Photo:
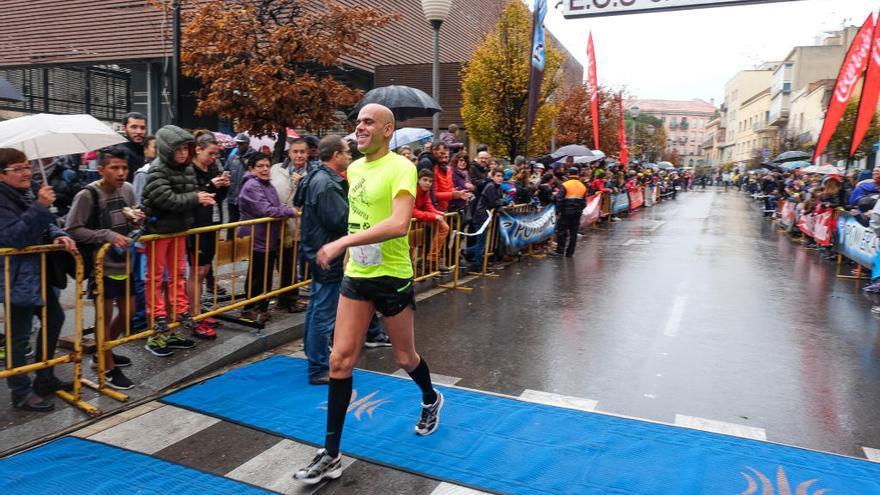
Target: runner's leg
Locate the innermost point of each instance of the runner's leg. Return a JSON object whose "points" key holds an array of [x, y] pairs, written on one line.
{"points": [[352, 318], [400, 328]]}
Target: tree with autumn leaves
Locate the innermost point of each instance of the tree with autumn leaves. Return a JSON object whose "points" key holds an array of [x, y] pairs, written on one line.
{"points": [[646, 138], [495, 86], [265, 63]]}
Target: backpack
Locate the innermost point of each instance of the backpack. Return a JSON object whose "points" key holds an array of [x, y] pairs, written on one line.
{"points": [[88, 251]]}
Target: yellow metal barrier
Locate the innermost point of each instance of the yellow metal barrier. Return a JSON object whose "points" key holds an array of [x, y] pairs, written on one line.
{"points": [[74, 357], [228, 251]]}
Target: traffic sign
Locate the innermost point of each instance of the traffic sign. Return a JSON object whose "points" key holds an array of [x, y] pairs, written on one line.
{"points": [[574, 9]]}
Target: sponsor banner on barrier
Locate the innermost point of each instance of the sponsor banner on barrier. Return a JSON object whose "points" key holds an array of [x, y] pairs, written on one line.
{"points": [[788, 217], [518, 231], [857, 242], [818, 226], [619, 203], [592, 211], [636, 198]]}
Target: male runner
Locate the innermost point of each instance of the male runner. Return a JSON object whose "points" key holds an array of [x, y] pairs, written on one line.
{"points": [[382, 191]]}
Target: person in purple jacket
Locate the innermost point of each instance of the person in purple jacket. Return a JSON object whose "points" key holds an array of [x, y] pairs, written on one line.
{"points": [[259, 199]]}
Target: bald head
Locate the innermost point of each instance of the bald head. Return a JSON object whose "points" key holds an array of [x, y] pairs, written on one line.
{"points": [[375, 126]]}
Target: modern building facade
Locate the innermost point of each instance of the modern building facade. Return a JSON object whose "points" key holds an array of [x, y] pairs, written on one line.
{"points": [[113, 56], [805, 65], [740, 89]]}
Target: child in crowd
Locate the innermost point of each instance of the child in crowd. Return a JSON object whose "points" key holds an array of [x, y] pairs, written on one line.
{"points": [[424, 211], [170, 200]]}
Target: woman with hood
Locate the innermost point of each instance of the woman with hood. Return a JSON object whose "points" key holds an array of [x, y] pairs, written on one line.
{"points": [[259, 199]]}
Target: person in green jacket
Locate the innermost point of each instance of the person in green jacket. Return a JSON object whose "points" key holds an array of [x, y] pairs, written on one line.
{"points": [[170, 199]]}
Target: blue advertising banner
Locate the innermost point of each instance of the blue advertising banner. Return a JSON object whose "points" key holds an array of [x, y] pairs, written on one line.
{"points": [[857, 242], [518, 231], [619, 203]]}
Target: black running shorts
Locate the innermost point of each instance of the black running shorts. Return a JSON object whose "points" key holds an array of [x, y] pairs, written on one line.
{"points": [[390, 295]]}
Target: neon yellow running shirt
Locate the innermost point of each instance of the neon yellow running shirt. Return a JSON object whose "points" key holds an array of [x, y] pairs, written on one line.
{"points": [[372, 187]]}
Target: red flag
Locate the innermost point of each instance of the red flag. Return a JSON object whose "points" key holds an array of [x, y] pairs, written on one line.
{"points": [[870, 94], [621, 132], [850, 72], [594, 91]]}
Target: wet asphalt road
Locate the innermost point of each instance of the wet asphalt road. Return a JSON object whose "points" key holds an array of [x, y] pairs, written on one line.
{"points": [[697, 307]]}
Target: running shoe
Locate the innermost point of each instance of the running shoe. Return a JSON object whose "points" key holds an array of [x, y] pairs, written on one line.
{"points": [[875, 310], [175, 341], [157, 346], [160, 325], [187, 322], [116, 379], [322, 467], [119, 360], [381, 340], [430, 418], [204, 331], [873, 288]]}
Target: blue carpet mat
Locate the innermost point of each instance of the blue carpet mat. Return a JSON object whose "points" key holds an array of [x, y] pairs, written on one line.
{"points": [[509, 446], [75, 466]]}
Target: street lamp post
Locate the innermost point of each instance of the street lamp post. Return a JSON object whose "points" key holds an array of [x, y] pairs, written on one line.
{"points": [[634, 112], [436, 11]]}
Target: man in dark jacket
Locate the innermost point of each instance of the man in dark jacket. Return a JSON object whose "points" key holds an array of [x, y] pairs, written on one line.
{"points": [[236, 165], [170, 200], [322, 195], [134, 128], [439, 153], [571, 199], [25, 221]]}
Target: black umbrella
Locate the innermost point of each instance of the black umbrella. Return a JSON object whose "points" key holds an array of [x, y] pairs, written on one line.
{"points": [[571, 150], [8, 92], [792, 156], [405, 102]]}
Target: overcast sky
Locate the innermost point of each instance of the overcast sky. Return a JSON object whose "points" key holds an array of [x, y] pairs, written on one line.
{"points": [[689, 54]]}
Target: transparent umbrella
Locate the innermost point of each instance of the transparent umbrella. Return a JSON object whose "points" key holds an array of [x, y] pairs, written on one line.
{"points": [[46, 135]]}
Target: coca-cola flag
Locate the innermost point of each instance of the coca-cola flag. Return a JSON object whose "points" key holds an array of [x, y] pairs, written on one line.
{"points": [[594, 91], [870, 93], [850, 72], [621, 132]]}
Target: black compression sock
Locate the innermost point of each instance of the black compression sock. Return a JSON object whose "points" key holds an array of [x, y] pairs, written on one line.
{"points": [[422, 376], [338, 399]]}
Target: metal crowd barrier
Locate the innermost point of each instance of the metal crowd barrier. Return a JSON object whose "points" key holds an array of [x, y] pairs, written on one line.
{"points": [[431, 251], [227, 252], [42, 359]]}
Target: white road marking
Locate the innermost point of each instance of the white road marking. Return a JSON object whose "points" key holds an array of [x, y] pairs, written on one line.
{"points": [[558, 400], [714, 426], [435, 378], [674, 321], [657, 225], [156, 430], [636, 242], [872, 454], [450, 489], [273, 469]]}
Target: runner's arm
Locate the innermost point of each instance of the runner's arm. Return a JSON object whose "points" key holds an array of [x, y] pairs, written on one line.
{"points": [[397, 225]]}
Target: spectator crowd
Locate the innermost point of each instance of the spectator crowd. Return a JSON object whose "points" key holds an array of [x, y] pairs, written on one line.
{"points": [[165, 185]]}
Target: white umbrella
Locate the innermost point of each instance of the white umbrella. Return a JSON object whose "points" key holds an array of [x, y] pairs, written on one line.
{"points": [[402, 136], [822, 169], [597, 155], [408, 135], [45, 135]]}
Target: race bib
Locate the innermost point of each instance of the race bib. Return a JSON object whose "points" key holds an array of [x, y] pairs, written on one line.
{"points": [[369, 255]]}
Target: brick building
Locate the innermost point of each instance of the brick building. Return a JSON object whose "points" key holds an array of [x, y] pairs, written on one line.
{"points": [[108, 56]]}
